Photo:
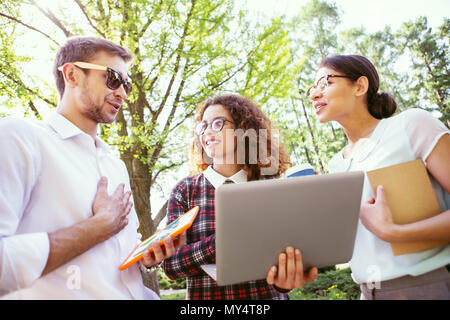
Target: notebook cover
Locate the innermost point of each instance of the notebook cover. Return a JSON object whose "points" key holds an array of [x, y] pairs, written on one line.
{"points": [[410, 197]]}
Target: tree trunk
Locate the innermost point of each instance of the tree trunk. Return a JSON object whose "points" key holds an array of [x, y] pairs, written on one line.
{"points": [[151, 281], [316, 148]]}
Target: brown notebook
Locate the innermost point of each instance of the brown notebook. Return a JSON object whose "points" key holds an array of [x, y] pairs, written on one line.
{"points": [[410, 197]]}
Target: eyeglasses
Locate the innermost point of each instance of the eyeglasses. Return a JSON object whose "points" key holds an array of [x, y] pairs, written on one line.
{"points": [[322, 83], [113, 78], [216, 125]]}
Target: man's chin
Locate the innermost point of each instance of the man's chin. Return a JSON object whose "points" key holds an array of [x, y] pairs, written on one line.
{"points": [[102, 117], [108, 120]]}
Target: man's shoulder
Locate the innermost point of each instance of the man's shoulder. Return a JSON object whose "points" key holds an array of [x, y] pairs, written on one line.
{"points": [[20, 139], [23, 128], [12, 122]]}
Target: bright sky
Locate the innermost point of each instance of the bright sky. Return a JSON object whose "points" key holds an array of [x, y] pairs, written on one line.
{"points": [[372, 14]]}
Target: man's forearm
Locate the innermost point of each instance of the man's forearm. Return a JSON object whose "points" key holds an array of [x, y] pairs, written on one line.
{"points": [[68, 243]]}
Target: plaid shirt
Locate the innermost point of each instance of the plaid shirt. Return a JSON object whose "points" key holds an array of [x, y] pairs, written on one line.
{"points": [[200, 249]]}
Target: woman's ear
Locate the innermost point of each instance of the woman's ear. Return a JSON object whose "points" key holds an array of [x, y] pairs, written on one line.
{"points": [[361, 86]]}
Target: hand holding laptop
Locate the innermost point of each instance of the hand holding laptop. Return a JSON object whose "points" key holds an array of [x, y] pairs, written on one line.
{"points": [[264, 216], [290, 274]]}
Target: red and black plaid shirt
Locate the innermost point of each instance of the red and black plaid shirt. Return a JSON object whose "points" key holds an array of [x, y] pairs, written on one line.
{"points": [[201, 247]]}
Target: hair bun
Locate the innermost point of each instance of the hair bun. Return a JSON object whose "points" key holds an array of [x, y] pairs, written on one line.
{"points": [[383, 105]]}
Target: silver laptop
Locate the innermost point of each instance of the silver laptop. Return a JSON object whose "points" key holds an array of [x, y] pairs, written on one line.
{"points": [[255, 221]]}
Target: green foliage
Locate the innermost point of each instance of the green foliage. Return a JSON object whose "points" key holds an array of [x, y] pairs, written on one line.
{"points": [[329, 285], [17, 88], [166, 283], [430, 60], [175, 296]]}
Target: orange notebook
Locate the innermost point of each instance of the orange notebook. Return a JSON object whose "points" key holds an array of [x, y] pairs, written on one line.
{"points": [[174, 229], [410, 197]]}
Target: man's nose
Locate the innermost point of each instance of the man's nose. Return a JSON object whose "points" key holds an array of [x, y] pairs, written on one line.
{"points": [[121, 93]]}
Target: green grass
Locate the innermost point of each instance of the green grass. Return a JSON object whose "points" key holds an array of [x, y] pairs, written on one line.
{"points": [[175, 296], [331, 284]]}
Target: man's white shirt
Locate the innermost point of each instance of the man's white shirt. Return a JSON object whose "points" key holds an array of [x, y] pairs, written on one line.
{"points": [[49, 173]]}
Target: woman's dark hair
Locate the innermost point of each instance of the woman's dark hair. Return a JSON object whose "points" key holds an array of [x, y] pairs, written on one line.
{"points": [[381, 105], [246, 115]]}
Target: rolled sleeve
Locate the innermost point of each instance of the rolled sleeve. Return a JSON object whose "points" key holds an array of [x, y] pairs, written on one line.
{"points": [[23, 258]]}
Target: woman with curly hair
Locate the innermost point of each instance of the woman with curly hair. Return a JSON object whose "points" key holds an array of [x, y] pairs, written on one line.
{"points": [[234, 143]]}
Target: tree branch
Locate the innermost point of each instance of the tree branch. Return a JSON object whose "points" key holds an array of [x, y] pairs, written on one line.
{"points": [[188, 115], [173, 165], [35, 111], [83, 9], [229, 77], [53, 19], [149, 22], [20, 83], [28, 26], [126, 9], [177, 63], [316, 148], [161, 214]]}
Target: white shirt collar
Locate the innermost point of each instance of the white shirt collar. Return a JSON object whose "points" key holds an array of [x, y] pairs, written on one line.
{"points": [[217, 179], [66, 129]]}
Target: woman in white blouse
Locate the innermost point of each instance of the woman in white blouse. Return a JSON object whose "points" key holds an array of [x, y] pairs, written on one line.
{"points": [[346, 91]]}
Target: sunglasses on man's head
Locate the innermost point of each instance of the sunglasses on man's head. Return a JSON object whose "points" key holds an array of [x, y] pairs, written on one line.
{"points": [[113, 78]]}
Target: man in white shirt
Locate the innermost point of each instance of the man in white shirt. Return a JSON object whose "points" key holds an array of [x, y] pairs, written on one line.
{"points": [[66, 216]]}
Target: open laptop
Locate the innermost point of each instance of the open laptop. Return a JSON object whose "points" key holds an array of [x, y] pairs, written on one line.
{"points": [[255, 221]]}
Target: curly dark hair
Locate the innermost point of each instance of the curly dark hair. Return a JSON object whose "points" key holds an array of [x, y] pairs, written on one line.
{"points": [[246, 115]]}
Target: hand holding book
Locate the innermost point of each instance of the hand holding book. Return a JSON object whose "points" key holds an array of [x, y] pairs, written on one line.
{"points": [[407, 197]]}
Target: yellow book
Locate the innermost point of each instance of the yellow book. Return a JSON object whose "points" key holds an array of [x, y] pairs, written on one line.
{"points": [[410, 197]]}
